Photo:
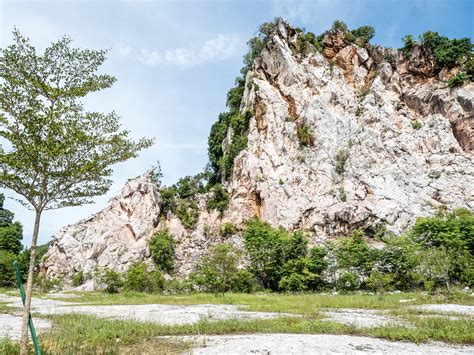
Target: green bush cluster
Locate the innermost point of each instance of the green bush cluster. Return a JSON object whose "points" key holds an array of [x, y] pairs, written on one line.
{"points": [[180, 198], [281, 260], [78, 278], [447, 53], [218, 199], [458, 80], [162, 249], [11, 248], [137, 278], [228, 229], [218, 272]]}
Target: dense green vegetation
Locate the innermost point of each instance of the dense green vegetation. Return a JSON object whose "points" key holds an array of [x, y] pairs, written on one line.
{"points": [[447, 53], [436, 252], [162, 247], [11, 248]]}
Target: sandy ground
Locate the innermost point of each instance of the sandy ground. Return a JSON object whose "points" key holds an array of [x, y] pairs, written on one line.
{"points": [[302, 344]]}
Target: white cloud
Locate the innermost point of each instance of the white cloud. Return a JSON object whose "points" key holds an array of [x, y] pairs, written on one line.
{"points": [[215, 49]]}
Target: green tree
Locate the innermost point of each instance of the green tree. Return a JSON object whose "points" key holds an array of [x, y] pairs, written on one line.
{"points": [[11, 233], [57, 153], [217, 272], [162, 247]]}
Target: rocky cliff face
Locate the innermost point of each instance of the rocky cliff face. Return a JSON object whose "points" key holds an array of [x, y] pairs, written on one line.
{"points": [[114, 237], [349, 138], [406, 139]]}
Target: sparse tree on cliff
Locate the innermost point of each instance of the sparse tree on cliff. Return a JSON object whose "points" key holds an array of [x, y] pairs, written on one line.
{"points": [[55, 154]]}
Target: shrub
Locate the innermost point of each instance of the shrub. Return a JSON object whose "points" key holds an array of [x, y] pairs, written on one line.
{"points": [[7, 274], [341, 157], [168, 201], [348, 281], [78, 278], [162, 249], [111, 280], [218, 199], [342, 194], [238, 144], [265, 246], [447, 52], [188, 213], [217, 272], [408, 45], [137, 278], [243, 282], [46, 284], [305, 137], [416, 125], [339, 25], [353, 254], [457, 80], [228, 229], [380, 282]]}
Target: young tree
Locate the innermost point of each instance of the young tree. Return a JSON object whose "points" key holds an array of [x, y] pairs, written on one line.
{"points": [[56, 153]]}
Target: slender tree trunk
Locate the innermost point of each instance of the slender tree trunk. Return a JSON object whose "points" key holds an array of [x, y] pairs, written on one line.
{"points": [[29, 286]]}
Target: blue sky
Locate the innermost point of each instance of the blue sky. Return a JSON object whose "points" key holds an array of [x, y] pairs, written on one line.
{"points": [[176, 60]]}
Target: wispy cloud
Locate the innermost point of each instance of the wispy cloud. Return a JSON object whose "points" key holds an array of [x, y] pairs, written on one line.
{"points": [[215, 49]]}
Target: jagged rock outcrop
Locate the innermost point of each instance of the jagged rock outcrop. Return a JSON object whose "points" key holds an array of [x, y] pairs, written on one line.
{"points": [[114, 237], [363, 108], [388, 141]]}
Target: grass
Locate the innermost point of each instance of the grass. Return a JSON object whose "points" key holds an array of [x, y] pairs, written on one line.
{"points": [[85, 334], [302, 303]]}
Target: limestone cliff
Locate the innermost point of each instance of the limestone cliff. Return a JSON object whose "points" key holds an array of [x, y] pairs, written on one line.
{"points": [[352, 137]]}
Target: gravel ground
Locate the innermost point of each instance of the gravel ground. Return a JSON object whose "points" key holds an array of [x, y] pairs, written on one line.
{"points": [[448, 308], [301, 344], [162, 313], [361, 317], [10, 326]]}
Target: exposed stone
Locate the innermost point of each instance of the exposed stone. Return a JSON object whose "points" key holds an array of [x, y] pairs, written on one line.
{"points": [[365, 105]]}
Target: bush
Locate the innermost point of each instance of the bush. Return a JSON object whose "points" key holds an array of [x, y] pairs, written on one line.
{"points": [[217, 272], [7, 274], [447, 52], [162, 249], [408, 45], [243, 282], [47, 284], [348, 281], [188, 213], [228, 229], [137, 278], [305, 137], [238, 144], [457, 80], [78, 278], [416, 125], [111, 280], [168, 201], [218, 199], [341, 157], [354, 255]]}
